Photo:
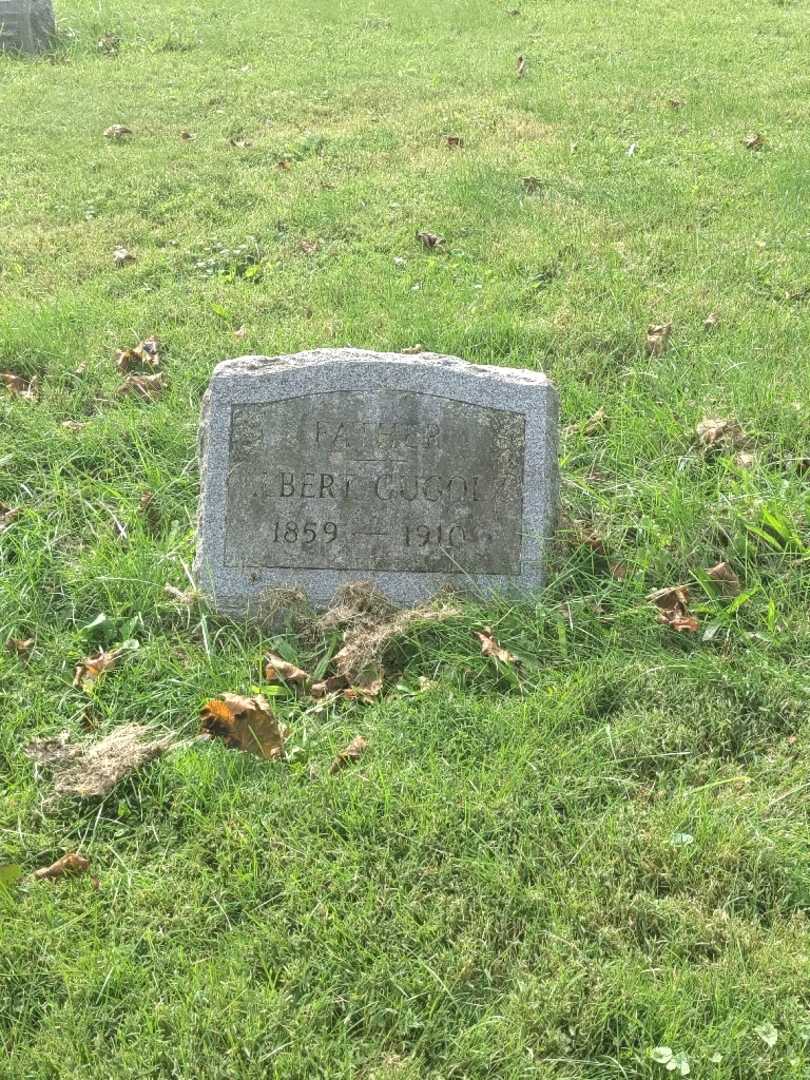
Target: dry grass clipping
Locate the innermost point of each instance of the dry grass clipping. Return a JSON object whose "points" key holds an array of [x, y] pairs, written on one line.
{"points": [[95, 768], [370, 622]]}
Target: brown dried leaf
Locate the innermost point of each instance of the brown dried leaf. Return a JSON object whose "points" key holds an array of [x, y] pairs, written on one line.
{"points": [[244, 723], [711, 320], [122, 256], [146, 387], [109, 43], [73, 425], [744, 460], [20, 647], [596, 423], [89, 670], [491, 647], [721, 431], [185, 598], [673, 608], [117, 131], [676, 103], [279, 670], [413, 350], [68, 866], [355, 750], [753, 141], [429, 240], [145, 356], [17, 386], [239, 143], [328, 686], [454, 142], [658, 338], [521, 66], [7, 515], [367, 685], [240, 333], [284, 164], [725, 577], [186, 136], [532, 184]]}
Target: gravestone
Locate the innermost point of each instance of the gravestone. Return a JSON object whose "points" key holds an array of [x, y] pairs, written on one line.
{"points": [[339, 465], [26, 25]]}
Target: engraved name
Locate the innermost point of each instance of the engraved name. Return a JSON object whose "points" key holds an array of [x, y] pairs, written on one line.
{"points": [[385, 486]]}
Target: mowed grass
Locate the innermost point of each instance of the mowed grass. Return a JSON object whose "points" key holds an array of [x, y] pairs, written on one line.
{"points": [[545, 871]]}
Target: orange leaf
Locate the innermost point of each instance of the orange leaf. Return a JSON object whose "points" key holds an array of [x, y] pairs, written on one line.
{"points": [[244, 723], [89, 670]]}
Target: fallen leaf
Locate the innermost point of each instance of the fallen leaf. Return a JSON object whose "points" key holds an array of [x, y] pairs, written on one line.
{"points": [[513, 11], [413, 350], [109, 43], [711, 320], [454, 142], [147, 387], [185, 598], [277, 669], [90, 670], [521, 66], [491, 647], [725, 577], [429, 240], [122, 256], [673, 608], [186, 136], [240, 143], [367, 685], [596, 423], [676, 103], [720, 431], [744, 460], [328, 686], [7, 515], [355, 750], [768, 1033], [17, 386], [147, 508], [310, 247], [244, 723], [117, 131], [73, 425], [93, 769], [240, 333], [68, 866], [145, 355], [20, 647], [753, 141], [532, 184], [284, 164], [658, 338]]}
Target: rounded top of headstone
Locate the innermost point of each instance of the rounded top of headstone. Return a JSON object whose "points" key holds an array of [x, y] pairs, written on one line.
{"points": [[435, 363]]}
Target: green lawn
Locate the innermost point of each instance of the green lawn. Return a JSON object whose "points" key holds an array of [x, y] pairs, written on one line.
{"points": [[546, 871]]}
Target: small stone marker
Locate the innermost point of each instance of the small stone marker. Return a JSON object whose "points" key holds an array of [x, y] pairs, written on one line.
{"points": [[339, 465], [26, 25]]}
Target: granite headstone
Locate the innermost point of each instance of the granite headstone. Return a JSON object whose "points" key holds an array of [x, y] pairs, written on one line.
{"points": [[26, 26], [339, 465]]}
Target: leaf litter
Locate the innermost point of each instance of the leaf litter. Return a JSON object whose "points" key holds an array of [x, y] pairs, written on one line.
{"points": [[673, 608], [351, 753]]}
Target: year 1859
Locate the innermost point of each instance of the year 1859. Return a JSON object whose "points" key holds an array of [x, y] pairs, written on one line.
{"points": [[289, 532]]}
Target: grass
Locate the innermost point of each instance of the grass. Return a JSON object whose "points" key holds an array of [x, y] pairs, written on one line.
{"points": [[504, 885]]}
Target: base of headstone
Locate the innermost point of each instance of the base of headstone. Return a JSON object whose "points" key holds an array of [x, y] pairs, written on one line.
{"points": [[415, 473], [26, 26]]}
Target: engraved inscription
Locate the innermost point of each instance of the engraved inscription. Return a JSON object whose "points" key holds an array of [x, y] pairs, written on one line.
{"points": [[375, 480]]}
